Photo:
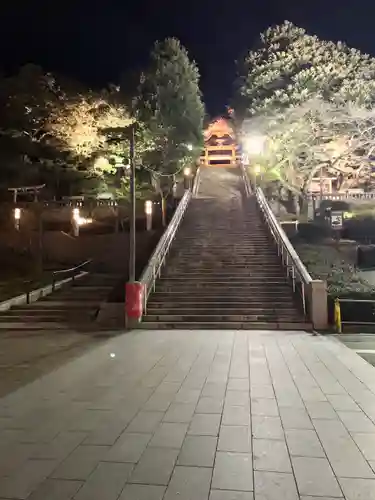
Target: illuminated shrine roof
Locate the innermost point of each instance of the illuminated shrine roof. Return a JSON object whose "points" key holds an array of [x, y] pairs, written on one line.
{"points": [[220, 128]]}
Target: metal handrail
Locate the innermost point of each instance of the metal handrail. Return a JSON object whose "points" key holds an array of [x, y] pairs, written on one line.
{"points": [[56, 274], [153, 268], [294, 266], [339, 322], [29, 283], [196, 181], [246, 180]]}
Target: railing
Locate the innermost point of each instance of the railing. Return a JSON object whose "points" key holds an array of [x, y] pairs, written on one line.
{"points": [[55, 276], [296, 270], [339, 313], [342, 196], [246, 180], [68, 273], [155, 264], [196, 181]]}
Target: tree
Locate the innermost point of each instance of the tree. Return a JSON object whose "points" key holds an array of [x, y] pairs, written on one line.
{"points": [[317, 134], [170, 104], [290, 67], [53, 130]]}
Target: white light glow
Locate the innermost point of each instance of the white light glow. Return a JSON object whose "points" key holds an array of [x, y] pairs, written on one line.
{"points": [[17, 213], [148, 207], [257, 169], [254, 145], [187, 171], [81, 221], [190, 147], [113, 355]]}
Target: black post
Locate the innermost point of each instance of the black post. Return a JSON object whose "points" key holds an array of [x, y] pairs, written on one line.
{"points": [[132, 243]]}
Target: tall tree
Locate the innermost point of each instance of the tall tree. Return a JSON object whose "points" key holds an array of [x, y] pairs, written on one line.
{"points": [[170, 104], [302, 140], [289, 66]]}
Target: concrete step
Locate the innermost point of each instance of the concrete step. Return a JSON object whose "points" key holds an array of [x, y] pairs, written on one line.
{"points": [[222, 278], [53, 303], [46, 312], [165, 308], [66, 297], [23, 325], [218, 275], [232, 303], [227, 287], [46, 318], [223, 294], [258, 325], [216, 318], [91, 288]]}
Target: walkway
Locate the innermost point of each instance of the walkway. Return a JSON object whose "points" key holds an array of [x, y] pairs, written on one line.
{"points": [[195, 415]]}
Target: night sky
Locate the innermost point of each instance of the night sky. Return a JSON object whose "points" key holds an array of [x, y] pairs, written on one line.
{"points": [[96, 41]]}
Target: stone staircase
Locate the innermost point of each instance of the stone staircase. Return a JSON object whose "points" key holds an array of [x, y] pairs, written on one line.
{"points": [[223, 270], [74, 307]]}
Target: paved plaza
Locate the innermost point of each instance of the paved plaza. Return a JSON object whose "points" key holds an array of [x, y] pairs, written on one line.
{"points": [[195, 415]]}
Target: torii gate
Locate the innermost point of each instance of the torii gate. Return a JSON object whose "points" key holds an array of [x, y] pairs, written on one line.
{"points": [[26, 189]]}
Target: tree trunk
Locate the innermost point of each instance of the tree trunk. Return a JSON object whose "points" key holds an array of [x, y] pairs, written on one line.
{"points": [[303, 206]]}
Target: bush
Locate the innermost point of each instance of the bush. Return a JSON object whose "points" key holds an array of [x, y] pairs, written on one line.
{"points": [[313, 231], [337, 267]]}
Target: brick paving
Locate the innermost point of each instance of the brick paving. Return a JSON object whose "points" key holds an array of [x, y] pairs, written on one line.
{"points": [[195, 415]]}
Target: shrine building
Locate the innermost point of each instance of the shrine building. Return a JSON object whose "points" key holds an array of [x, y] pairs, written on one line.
{"points": [[220, 147]]}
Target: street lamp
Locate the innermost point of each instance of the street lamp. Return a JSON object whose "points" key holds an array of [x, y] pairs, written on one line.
{"points": [[17, 218], [254, 144], [187, 177], [148, 212]]}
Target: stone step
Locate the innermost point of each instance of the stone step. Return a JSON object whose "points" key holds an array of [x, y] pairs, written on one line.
{"points": [[232, 303], [224, 294], [91, 288], [228, 286], [258, 325], [218, 274], [199, 265], [46, 312], [23, 325], [75, 297], [220, 253], [242, 318], [222, 278], [46, 318], [52, 302], [225, 308]]}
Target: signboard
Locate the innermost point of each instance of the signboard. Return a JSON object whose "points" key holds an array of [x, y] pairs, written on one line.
{"points": [[336, 220]]}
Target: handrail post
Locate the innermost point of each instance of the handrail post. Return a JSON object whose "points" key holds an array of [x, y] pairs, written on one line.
{"points": [[318, 307]]}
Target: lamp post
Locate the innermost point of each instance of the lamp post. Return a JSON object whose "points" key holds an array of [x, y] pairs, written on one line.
{"points": [[75, 221], [148, 212], [17, 218], [132, 242], [187, 177], [254, 145]]}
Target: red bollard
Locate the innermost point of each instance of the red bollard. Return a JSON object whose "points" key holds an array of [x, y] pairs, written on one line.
{"points": [[133, 303]]}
